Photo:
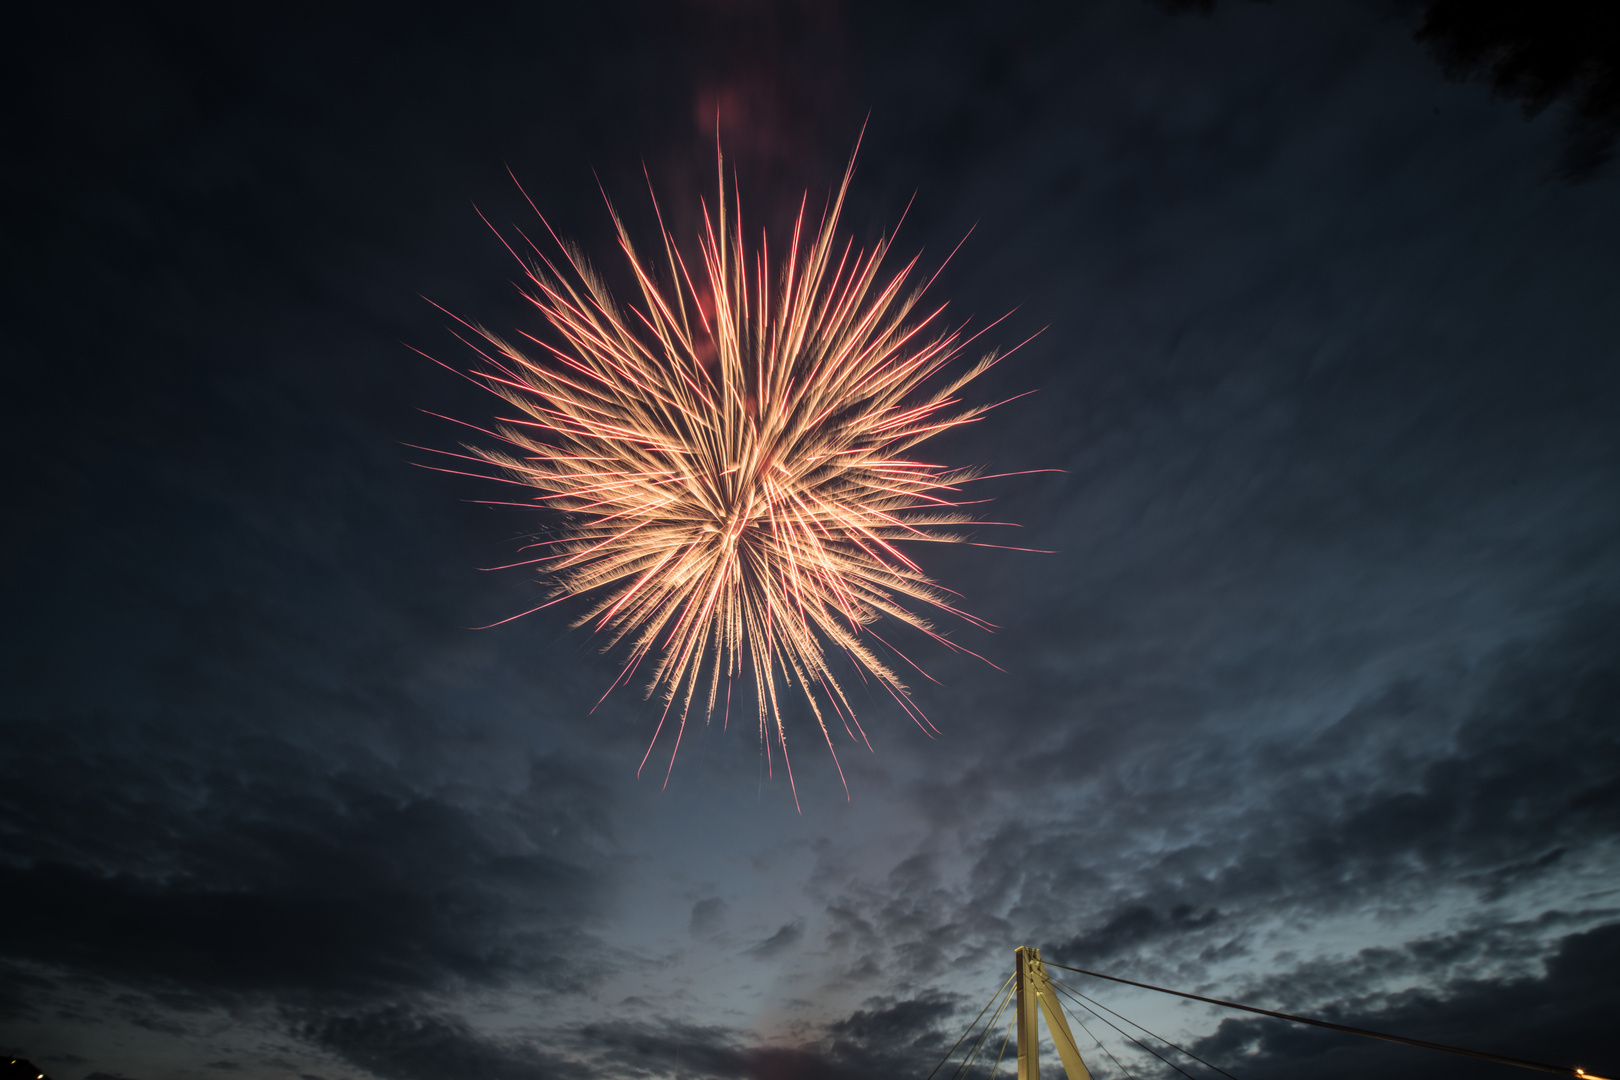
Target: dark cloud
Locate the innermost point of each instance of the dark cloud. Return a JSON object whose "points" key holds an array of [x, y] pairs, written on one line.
{"points": [[896, 1032], [279, 876], [787, 936], [1529, 775], [708, 916], [1135, 926], [667, 1049], [886, 1038], [21, 991], [1504, 950], [1558, 1017], [399, 1044], [1351, 821]]}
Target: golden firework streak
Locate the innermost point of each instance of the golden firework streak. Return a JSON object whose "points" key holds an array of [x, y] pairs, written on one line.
{"points": [[729, 457]]}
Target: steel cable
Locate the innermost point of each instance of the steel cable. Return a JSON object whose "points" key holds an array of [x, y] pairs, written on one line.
{"points": [[1133, 1038], [1522, 1063], [973, 1025], [1099, 1005]]}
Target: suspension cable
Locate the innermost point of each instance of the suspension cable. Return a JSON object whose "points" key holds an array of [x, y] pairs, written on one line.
{"points": [[1099, 1005], [1063, 1029], [1005, 1039], [973, 1025], [1100, 1045], [1564, 1070], [967, 1063], [1134, 1039]]}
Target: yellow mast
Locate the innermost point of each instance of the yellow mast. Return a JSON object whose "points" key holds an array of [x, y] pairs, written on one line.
{"points": [[1036, 996]]}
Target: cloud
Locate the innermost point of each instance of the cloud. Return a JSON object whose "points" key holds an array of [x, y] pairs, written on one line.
{"points": [[664, 1049], [1135, 925], [275, 876], [708, 915], [888, 1029], [888, 1037], [778, 943], [21, 990], [1561, 1017], [1527, 778], [1490, 785], [400, 1044]]}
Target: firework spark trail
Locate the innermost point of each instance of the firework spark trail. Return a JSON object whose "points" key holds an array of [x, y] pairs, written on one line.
{"points": [[729, 460]]}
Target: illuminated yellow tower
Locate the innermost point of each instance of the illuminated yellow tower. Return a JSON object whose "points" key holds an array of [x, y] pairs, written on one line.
{"points": [[1035, 996]]}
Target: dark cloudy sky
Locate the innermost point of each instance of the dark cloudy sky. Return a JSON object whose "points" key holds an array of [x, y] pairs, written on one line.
{"points": [[1314, 706]]}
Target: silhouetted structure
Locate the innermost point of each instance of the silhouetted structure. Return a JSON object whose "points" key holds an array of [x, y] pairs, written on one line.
{"points": [[1534, 52], [21, 1069]]}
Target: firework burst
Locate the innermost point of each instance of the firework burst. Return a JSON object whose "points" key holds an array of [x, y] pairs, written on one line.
{"points": [[729, 461]]}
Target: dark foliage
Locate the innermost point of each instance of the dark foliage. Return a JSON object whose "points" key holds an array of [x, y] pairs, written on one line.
{"points": [[1535, 52]]}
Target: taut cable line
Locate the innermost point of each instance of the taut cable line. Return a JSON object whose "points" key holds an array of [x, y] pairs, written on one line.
{"points": [[1126, 1072], [994, 998], [1096, 1005], [1074, 996], [967, 1063], [1540, 1066]]}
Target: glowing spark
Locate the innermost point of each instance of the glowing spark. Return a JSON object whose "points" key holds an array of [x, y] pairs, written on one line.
{"points": [[728, 456]]}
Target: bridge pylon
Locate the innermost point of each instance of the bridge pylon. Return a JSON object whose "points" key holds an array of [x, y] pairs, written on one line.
{"points": [[1036, 997]]}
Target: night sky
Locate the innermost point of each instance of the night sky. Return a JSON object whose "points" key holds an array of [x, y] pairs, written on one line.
{"points": [[1314, 705]]}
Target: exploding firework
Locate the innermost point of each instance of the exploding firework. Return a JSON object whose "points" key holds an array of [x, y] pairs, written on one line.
{"points": [[728, 461]]}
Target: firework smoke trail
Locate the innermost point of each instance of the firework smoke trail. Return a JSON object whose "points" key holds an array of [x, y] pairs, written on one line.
{"points": [[729, 459]]}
